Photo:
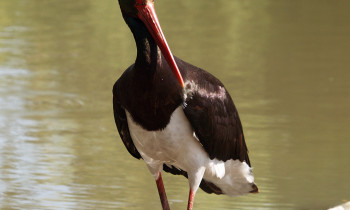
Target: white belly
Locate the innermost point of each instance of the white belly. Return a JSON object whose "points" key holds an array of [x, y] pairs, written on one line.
{"points": [[177, 145]]}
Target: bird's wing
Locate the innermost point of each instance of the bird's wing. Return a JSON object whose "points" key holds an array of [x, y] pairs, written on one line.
{"points": [[214, 117], [122, 125]]}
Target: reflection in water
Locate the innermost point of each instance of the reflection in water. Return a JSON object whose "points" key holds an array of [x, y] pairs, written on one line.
{"points": [[285, 64]]}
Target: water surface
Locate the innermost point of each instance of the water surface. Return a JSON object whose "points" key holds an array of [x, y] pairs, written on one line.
{"points": [[285, 63]]}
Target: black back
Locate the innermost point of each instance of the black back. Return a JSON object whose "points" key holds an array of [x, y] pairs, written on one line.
{"points": [[213, 115]]}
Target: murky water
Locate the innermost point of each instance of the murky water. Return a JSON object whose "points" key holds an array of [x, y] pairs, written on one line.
{"points": [[286, 64]]}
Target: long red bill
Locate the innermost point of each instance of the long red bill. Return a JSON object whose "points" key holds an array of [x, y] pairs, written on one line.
{"points": [[149, 17]]}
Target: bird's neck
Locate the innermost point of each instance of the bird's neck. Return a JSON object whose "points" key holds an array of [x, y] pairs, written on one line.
{"points": [[148, 53]]}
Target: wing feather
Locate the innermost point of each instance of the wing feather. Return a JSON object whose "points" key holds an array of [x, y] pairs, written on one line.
{"points": [[214, 117], [122, 125]]}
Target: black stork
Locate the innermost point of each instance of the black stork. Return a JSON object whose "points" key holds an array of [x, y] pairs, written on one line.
{"points": [[178, 117]]}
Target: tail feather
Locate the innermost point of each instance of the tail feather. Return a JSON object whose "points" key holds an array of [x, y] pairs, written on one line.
{"points": [[255, 189]]}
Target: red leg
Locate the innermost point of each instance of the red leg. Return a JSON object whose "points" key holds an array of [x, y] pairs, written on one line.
{"points": [[190, 200], [162, 194]]}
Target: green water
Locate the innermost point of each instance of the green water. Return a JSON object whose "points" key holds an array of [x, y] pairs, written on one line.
{"points": [[285, 63]]}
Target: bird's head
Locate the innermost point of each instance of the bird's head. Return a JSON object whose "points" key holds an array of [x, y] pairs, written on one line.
{"points": [[144, 10], [130, 7]]}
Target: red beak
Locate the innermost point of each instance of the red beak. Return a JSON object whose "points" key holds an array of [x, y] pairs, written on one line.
{"points": [[149, 17]]}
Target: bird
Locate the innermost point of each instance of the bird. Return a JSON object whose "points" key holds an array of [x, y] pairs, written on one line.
{"points": [[177, 117]]}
